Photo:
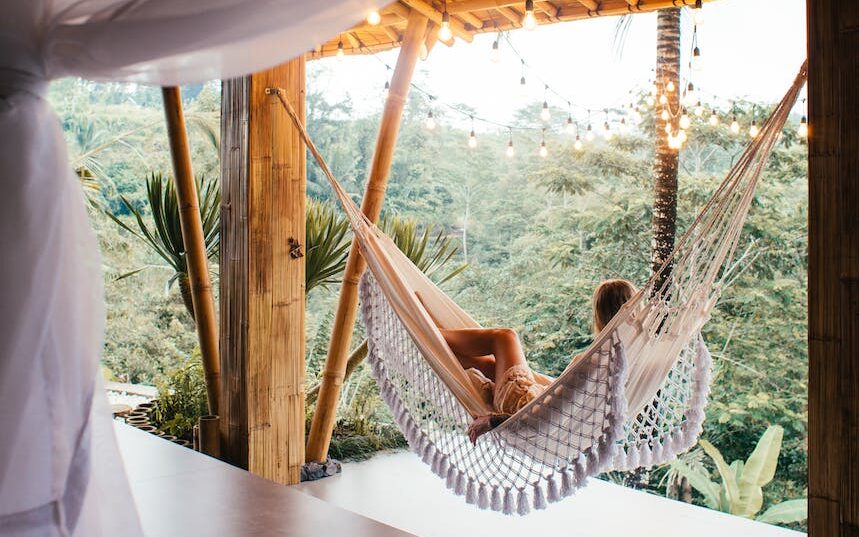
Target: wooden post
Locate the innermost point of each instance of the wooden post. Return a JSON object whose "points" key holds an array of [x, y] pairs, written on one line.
{"points": [[374, 195], [195, 245], [262, 274], [833, 268]]}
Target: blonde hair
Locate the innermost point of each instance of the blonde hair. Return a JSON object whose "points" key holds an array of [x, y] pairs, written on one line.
{"points": [[609, 296]]}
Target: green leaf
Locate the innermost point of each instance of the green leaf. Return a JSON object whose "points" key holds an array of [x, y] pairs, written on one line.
{"points": [[760, 470], [729, 483], [700, 482], [786, 512]]}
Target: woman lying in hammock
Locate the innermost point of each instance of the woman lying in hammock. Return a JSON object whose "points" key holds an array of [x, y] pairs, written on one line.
{"points": [[494, 360]]}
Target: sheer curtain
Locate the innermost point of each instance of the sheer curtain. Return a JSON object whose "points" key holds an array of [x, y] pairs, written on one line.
{"points": [[60, 471]]}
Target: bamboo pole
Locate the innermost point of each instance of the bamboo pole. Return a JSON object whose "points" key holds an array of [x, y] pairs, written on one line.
{"points": [[209, 438], [195, 244], [344, 321]]}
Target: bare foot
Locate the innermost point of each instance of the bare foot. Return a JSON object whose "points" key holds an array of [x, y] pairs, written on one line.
{"points": [[479, 427]]}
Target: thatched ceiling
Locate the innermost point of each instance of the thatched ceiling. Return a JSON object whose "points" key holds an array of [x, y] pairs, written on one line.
{"points": [[470, 17]]}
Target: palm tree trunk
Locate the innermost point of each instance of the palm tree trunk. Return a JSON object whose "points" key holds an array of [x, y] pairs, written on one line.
{"points": [[666, 161]]}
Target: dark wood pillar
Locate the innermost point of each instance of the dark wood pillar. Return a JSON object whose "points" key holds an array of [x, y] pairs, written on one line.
{"points": [[833, 267], [263, 184]]}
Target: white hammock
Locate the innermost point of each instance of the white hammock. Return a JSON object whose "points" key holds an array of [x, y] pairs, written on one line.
{"points": [[634, 398]]}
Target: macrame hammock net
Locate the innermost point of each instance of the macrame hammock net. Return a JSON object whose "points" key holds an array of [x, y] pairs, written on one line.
{"points": [[634, 398]]}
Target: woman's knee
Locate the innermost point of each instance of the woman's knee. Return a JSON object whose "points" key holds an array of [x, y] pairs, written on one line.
{"points": [[505, 335]]}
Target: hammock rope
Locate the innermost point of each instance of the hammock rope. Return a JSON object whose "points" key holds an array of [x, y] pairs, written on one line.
{"points": [[634, 398]]}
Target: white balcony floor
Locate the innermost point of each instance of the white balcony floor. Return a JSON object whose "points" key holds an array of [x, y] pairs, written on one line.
{"points": [[399, 490]]}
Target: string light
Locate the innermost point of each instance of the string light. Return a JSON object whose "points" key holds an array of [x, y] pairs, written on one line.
{"points": [[607, 134], [340, 51], [430, 122], [444, 33], [543, 150], [669, 87], [636, 115], [544, 113], [472, 138], [523, 85], [387, 90], [495, 55], [685, 122], [373, 18], [697, 63], [578, 146], [803, 127], [589, 134], [681, 137], [529, 22], [714, 119], [665, 115], [668, 128], [698, 13], [689, 97], [754, 130], [663, 99], [735, 125], [571, 128], [510, 151], [699, 109], [650, 100]]}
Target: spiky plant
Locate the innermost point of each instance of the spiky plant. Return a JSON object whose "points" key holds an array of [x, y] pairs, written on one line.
{"points": [[428, 247], [163, 233], [327, 245]]}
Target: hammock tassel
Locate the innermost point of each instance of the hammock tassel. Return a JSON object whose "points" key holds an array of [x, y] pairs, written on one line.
{"points": [[539, 497], [460, 483], [632, 458], [567, 487], [523, 506], [645, 458], [482, 497], [507, 508], [658, 453], [450, 481], [496, 499], [552, 489], [470, 495]]}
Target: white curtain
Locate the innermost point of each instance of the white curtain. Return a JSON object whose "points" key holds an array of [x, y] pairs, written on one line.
{"points": [[60, 472]]}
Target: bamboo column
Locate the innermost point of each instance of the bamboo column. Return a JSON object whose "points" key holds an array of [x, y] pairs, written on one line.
{"points": [[374, 195], [195, 244], [262, 274]]}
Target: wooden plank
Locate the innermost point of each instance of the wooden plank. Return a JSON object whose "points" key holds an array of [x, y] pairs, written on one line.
{"points": [[263, 287], [374, 194], [833, 268]]}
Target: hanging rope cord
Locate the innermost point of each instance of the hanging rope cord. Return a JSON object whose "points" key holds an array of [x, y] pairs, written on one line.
{"points": [[634, 398]]}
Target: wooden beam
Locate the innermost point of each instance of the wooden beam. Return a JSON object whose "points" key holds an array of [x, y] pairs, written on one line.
{"points": [[374, 194], [195, 245], [434, 15], [592, 5], [432, 38], [262, 283], [833, 269]]}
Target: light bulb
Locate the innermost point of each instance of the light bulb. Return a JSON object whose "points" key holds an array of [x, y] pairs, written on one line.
{"points": [[607, 134], [387, 89], [523, 87], [699, 109], [430, 122], [672, 141], [689, 97], [544, 113], [735, 126], [571, 127], [698, 13], [373, 18], [589, 135], [697, 62], [472, 140], [714, 119], [444, 32], [529, 22], [543, 150], [803, 127], [754, 130], [340, 51], [578, 146], [665, 115], [495, 55], [636, 115], [670, 86], [510, 152], [650, 100], [668, 129], [653, 90], [681, 136], [685, 122], [663, 99]]}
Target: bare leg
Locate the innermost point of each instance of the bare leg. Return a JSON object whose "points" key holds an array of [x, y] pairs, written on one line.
{"points": [[474, 345]]}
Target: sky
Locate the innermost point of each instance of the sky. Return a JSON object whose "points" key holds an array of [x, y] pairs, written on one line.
{"points": [[751, 49]]}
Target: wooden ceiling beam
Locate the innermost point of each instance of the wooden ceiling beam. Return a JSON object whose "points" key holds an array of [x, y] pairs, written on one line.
{"points": [[468, 18], [399, 9], [511, 15], [592, 5], [353, 40], [551, 10], [392, 34], [434, 15]]}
